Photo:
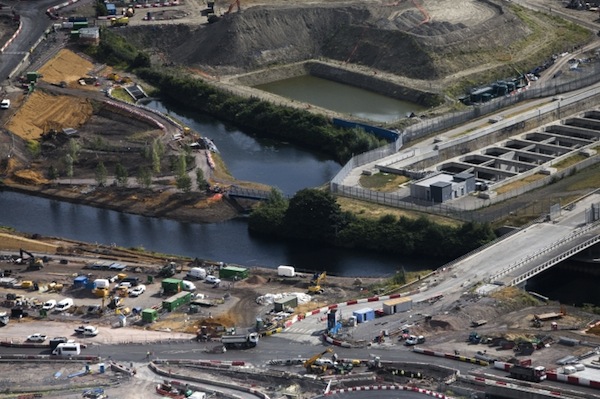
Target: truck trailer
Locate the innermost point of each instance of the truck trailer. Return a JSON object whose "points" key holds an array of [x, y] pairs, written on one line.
{"points": [[528, 373], [240, 340]]}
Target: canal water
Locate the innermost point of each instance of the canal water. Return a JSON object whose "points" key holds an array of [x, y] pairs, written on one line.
{"points": [[255, 159], [342, 98], [228, 242], [247, 158]]}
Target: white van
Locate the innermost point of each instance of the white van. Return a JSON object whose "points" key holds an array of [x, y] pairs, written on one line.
{"points": [[67, 349], [64, 304], [188, 286], [197, 273]]}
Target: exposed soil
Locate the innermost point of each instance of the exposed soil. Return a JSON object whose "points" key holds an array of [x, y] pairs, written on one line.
{"points": [[42, 112], [430, 43], [66, 67]]}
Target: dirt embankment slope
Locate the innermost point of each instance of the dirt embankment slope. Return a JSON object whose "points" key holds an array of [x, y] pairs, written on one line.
{"points": [[436, 40]]}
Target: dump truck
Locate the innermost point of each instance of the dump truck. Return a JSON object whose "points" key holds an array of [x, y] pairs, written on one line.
{"points": [[528, 373], [240, 340]]}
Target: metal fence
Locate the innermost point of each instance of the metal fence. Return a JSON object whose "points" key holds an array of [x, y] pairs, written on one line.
{"points": [[467, 211], [590, 75]]}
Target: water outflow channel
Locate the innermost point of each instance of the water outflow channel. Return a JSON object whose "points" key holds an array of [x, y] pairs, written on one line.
{"points": [[275, 164], [342, 98]]}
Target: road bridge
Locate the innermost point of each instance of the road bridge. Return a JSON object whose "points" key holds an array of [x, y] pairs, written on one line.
{"points": [[514, 258]]}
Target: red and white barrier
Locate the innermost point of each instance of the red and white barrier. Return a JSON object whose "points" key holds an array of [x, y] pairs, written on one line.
{"points": [[388, 388], [573, 380]]}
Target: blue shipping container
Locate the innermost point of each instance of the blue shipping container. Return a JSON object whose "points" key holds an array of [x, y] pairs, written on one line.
{"points": [[364, 315]]}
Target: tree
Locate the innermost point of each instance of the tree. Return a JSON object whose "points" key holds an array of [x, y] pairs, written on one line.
{"points": [[101, 9], [141, 60], [313, 214], [268, 217], [144, 177], [184, 183], [157, 153], [181, 165], [73, 149], [52, 172], [121, 175], [69, 166], [201, 182], [101, 174]]}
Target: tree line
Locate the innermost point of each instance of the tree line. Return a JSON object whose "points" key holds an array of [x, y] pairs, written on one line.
{"points": [[314, 215]]}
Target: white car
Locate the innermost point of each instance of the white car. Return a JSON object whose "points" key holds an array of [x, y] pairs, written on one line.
{"points": [[5, 104], [49, 304], [90, 331], [137, 290], [212, 280], [37, 337]]}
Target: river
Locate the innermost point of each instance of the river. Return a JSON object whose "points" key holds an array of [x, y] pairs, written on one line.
{"points": [[248, 158]]}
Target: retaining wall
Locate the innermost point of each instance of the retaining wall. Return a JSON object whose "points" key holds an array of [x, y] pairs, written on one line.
{"points": [[337, 73]]}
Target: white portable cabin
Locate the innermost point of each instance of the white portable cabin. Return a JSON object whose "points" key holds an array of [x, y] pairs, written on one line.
{"points": [[286, 271]]}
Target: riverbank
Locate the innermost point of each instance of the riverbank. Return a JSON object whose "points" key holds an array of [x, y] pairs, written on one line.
{"points": [[186, 207]]}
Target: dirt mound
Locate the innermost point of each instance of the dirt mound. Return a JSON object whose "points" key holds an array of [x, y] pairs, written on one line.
{"points": [[397, 38], [256, 280], [65, 66], [29, 177], [42, 112]]}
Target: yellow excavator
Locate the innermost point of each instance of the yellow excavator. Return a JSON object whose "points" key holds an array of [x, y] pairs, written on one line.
{"points": [[311, 366], [315, 283]]}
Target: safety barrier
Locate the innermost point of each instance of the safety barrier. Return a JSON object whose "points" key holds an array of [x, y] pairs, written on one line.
{"points": [[573, 380], [154, 367], [93, 359], [13, 37], [388, 388], [51, 12], [236, 363], [451, 356]]}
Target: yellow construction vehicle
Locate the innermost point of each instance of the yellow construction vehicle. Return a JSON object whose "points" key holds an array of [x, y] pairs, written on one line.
{"points": [[311, 366], [315, 283], [120, 21]]}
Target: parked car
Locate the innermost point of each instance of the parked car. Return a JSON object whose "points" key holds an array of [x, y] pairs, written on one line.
{"points": [[37, 337], [49, 304], [5, 104], [137, 290], [212, 280], [87, 331], [414, 340]]}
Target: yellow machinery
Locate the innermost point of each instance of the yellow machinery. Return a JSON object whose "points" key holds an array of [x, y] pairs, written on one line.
{"points": [[101, 292], [315, 283], [310, 366], [120, 21]]}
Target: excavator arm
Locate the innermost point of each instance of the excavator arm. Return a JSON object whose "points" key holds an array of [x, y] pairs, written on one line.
{"points": [[308, 364]]}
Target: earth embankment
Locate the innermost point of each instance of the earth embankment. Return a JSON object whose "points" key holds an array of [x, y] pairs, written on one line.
{"points": [[429, 42]]}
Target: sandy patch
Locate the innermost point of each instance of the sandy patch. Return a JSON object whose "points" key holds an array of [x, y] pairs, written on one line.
{"points": [[12, 242], [65, 66], [42, 112]]}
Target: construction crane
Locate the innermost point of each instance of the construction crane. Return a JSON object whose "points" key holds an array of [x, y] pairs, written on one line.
{"points": [[315, 283], [310, 366]]}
